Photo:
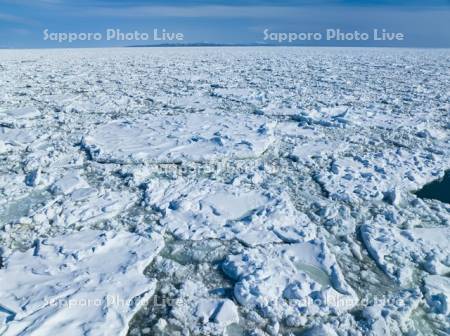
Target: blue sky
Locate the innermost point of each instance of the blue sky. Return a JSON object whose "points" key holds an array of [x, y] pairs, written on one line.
{"points": [[424, 23]]}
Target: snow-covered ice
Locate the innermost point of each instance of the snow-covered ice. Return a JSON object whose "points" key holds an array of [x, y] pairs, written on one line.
{"points": [[290, 282], [397, 250], [205, 210], [252, 191], [192, 137], [89, 281]]}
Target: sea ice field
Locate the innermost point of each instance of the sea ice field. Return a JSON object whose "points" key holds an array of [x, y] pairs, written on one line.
{"points": [[250, 191]]}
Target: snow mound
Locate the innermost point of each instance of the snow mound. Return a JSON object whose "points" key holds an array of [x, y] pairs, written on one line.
{"points": [[437, 294], [286, 280], [393, 316], [204, 315]]}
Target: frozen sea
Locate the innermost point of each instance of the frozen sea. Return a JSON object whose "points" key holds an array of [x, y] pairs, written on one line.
{"points": [[224, 191]]}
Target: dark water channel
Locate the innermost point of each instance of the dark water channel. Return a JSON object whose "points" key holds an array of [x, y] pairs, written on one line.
{"points": [[439, 189]]}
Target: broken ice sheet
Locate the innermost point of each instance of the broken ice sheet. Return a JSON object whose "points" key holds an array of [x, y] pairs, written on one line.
{"points": [[86, 281], [364, 126]]}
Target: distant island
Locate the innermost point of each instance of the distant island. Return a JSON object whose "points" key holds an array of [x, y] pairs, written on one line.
{"points": [[201, 44]]}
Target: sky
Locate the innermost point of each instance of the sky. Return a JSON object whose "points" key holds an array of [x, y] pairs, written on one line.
{"points": [[48, 23]]}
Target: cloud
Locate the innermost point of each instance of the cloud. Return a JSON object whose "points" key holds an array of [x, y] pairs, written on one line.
{"points": [[36, 2], [228, 11], [20, 31], [15, 19], [196, 11], [237, 3]]}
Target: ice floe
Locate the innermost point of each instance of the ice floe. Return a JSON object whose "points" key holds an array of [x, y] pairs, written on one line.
{"points": [[292, 282], [87, 282], [205, 210], [399, 252], [187, 137]]}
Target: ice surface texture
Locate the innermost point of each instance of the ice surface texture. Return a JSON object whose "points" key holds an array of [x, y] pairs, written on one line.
{"points": [[278, 179], [190, 137], [67, 285]]}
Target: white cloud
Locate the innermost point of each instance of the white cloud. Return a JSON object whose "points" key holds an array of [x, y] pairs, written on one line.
{"points": [[15, 19], [228, 11], [197, 11], [20, 31]]}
